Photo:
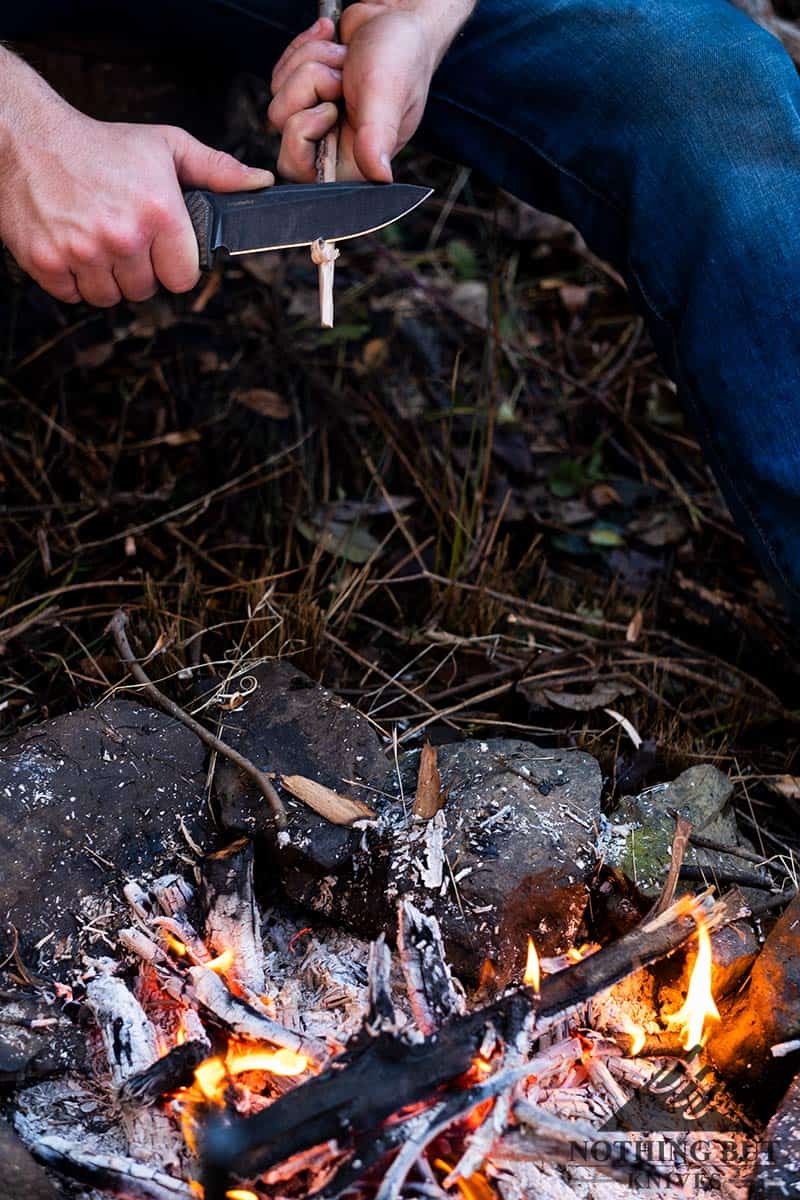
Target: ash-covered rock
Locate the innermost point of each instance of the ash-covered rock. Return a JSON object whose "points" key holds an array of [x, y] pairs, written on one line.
{"points": [[36, 1039], [20, 1176], [767, 1012], [638, 837], [508, 856], [291, 726], [87, 801]]}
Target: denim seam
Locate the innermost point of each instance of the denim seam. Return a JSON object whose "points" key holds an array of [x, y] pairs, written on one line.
{"points": [[732, 483]]}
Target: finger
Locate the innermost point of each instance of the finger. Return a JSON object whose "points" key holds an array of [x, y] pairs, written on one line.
{"points": [[330, 54], [308, 86], [98, 286], [174, 252], [201, 166], [301, 133], [323, 30], [135, 277], [374, 144], [61, 285]]}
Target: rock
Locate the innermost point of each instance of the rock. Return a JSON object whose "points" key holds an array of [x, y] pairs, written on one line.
{"points": [[20, 1175], [87, 801], [36, 1040], [517, 833], [638, 839], [733, 951], [292, 726], [766, 1012], [777, 1172]]}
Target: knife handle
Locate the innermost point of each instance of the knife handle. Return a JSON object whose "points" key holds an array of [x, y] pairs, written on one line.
{"points": [[201, 212]]}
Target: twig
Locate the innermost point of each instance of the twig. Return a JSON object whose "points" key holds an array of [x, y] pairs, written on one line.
{"points": [[260, 778], [324, 254], [680, 843]]}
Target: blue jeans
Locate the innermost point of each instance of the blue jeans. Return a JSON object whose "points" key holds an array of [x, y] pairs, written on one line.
{"points": [[668, 132]]}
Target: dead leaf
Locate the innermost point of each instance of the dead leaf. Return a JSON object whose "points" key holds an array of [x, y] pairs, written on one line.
{"points": [[603, 494], [429, 798], [263, 401], [660, 529], [339, 810], [786, 785], [600, 695], [375, 353], [351, 542], [94, 356], [470, 299], [634, 626]]}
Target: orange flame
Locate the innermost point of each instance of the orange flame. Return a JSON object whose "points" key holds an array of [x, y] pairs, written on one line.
{"points": [[241, 1194], [210, 1078], [698, 1008], [532, 976], [175, 944], [476, 1187], [634, 1031], [222, 963], [276, 1062]]}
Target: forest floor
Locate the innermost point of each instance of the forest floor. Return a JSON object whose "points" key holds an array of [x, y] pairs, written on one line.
{"points": [[473, 507]]}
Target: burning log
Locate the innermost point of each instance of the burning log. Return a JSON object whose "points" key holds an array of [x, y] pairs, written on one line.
{"points": [[378, 1076], [131, 1046], [233, 922], [172, 1071], [431, 989]]}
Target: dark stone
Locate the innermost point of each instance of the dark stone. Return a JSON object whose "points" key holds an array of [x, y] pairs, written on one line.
{"points": [[517, 830], [36, 1040], [292, 726], [20, 1175], [87, 801], [768, 1010], [777, 1173]]}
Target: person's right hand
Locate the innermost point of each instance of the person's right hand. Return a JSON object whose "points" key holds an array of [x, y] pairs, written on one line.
{"points": [[94, 211]]}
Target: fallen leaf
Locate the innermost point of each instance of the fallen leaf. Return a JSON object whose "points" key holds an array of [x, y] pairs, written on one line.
{"points": [[634, 627], [263, 401], [660, 529], [351, 542], [339, 810], [600, 695], [786, 785], [603, 494], [471, 301], [375, 353], [629, 728], [429, 798]]}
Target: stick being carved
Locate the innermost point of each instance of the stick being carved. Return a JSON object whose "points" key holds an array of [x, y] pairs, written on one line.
{"points": [[324, 254]]}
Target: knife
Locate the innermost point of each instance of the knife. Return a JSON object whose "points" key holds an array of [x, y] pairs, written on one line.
{"points": [[291, 214], [295, 214]]}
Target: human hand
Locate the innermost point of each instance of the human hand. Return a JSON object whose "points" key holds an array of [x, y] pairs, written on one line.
{"points": [[383, 70], [94, 211]]}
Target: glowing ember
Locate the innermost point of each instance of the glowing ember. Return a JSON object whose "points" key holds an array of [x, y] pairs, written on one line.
{"points": [[241, 1194], [476, 1187], [277, 1062], [698, 1007], [532, 976], [222, 964]]}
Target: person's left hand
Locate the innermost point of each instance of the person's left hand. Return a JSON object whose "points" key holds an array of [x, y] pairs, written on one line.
{"points": [[383, 69]]}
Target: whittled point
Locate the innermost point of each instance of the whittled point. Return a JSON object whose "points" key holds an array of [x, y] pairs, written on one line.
{"points": [[324, 255]]}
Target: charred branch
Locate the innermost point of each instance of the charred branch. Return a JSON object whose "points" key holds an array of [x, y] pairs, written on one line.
{"points": [[173, 1070], [233, 922]]}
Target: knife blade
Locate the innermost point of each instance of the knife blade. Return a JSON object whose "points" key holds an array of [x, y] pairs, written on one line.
{"points": [[295, 214]]}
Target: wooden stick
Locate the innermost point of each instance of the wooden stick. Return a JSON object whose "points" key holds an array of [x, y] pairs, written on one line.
{"points": [[116, 628], [324, 254]]}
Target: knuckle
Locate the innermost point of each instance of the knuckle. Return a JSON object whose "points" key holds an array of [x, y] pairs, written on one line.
{"points": [[83, 251], [45, 259], [276, 114], [125, 241]]}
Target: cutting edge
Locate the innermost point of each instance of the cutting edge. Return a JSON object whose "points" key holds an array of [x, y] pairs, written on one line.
{"points": [[343, 238]]}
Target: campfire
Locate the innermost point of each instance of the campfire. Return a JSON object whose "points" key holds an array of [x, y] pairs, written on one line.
{"points": [[235, 1056]]}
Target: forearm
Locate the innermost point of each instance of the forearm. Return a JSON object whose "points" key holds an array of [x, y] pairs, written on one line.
{"points": [[27, 104]]}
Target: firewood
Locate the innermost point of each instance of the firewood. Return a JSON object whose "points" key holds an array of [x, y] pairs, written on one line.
{"points": [[378, 1076], [431, 990], [381, 1014], [233, 922], [173, 1070]]}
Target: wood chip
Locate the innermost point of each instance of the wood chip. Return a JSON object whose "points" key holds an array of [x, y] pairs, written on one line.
{"points": [[429, 798], [339, 810]]}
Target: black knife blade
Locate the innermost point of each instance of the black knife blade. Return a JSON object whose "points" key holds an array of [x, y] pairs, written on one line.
{"points": [[295, 214]]}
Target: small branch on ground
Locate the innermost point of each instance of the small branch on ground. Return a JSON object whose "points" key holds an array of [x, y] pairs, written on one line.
{"points": [[116, 628]]}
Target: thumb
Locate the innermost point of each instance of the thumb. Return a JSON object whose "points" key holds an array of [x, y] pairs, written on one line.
{"points": [[373, 146], [201, 166]]}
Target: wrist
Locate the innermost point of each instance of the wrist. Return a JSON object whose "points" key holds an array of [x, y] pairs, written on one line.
{"points": [[29, 108]]}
